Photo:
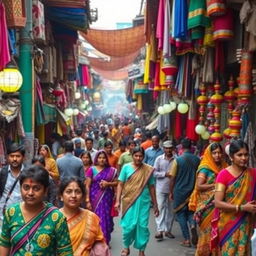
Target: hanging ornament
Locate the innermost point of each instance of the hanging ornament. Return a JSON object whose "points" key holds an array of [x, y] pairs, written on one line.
{"points": [[183, 108], [167, 108], [230, 95], [210, 117], [160, 110], [205, 136], [216, 100], [235, 124]]}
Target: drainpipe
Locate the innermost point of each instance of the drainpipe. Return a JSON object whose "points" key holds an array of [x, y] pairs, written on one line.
{"points": [[27, 89]]}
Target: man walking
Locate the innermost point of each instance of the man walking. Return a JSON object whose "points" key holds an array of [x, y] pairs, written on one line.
{"points": [[89, 147], [9, 176], [162, 165], [183, 175]]}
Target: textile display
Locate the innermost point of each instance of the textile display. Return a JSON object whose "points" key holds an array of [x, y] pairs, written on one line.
{"points": [[47, 73], [139, 86], [150, 18], [9, 109], [216, 7], [4, 45], [116, 43], [38, 21]]}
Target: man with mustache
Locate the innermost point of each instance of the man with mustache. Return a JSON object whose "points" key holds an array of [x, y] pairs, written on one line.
{"points": [[9, 175]]}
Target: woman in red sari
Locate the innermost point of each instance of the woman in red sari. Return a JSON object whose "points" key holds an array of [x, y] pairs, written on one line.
{"points": [[234, 219]]}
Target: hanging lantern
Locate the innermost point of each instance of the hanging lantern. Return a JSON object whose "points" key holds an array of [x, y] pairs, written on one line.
{"points": [[10, 79], [160, 110], [96, 97], [205, 136], [200, 129], [230, 95], [235, 124], [77, 95], [82, 105], [183, 108], [167, 108], [68, 112], [75, 111], [210, 117], [173, 105], [226, 133]]}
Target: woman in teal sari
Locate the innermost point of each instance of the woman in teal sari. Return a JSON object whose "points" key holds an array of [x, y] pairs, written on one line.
{"points": [[136, 189], [34, 227]]}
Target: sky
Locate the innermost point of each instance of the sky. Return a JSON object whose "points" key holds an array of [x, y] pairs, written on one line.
{"points": [[112, 11]]}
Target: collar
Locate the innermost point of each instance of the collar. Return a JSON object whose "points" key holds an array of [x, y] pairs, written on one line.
{"points": [[21, 169]]}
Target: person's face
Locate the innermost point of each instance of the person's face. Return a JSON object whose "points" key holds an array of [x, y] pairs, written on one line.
{"points": [[138, 158], [168, 151], [155, 142], [122, 148], [72, 196], [241, 158], [15, 159], [32, 192], [78, 145], [88, 144], [216, 155], [109, 149], [43, 152], [96, 135], [85, 160], [102, 160], [131, 146]]}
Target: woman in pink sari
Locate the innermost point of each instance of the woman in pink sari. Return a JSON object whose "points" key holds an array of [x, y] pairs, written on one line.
{"points": [[101, 179]]}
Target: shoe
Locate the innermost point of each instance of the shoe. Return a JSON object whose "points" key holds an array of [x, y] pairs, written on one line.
{"points": [[169, 235], [159, 236], [125, 252], [194, 236], [185, 244]]}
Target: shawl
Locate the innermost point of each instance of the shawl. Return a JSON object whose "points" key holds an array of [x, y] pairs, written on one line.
{"points": [[135, 185]]}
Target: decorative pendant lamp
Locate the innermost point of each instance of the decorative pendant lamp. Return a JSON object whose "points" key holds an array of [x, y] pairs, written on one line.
{"points": [[216, 100], [210, 117], [235, 124], [170, 69]]}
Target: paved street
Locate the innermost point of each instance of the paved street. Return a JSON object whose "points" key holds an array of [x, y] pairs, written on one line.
{"points": [[168, 247]]}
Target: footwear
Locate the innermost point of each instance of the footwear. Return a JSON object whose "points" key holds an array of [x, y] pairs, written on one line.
{"points": [[125, 252], [194, 236], [141, 253], [185, 244], [159, 236], [169, 235]]}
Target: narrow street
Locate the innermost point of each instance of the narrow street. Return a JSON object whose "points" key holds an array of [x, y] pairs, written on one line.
{"points": [[167, 247]]}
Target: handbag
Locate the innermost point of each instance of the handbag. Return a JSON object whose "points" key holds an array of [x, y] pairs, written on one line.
{"points": [[100, 249]]}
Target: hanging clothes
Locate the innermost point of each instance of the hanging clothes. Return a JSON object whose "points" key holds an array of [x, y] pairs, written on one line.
{"points": [[160, 24], [167, 24]]}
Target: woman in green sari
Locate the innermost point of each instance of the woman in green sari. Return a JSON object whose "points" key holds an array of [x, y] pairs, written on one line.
{"points": [[34, 227], [136, 190]]}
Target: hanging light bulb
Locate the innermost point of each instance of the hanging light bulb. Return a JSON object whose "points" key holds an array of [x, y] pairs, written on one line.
{"points": [[68, 112], [205, 135], [167, 108], [183, 108], [160, 110], [77, 95], [200, 129], [75, 111]]}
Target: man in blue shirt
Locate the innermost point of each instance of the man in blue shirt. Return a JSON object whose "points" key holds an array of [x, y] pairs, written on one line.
{"points": [[153, 152]]}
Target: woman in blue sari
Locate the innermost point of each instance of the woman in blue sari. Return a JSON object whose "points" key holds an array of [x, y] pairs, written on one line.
{"points": [[136, 188], [100, 183]]}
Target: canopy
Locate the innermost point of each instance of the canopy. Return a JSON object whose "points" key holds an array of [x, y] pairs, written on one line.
{"points": [[117, 43], [116, 75]]}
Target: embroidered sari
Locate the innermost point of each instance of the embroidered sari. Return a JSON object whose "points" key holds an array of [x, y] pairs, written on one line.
{"points": [[202, 202], [136, 202], [102, 198], [232, 231], [85, 231], [49, 233]]}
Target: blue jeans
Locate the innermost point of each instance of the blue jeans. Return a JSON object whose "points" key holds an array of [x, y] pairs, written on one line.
{"points": [[184, 216]]}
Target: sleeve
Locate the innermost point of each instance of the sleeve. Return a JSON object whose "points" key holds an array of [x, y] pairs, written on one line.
{"points": [[5, 236], [151, 180], [120, 160], [63, 243], [89, 173], [123, 175], [157, 171], [174, 168], [54, 170], [146, 157], [81, 172], [204, 171], [222, 178]]}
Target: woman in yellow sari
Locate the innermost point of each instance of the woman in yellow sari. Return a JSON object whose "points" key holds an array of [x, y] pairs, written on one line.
{"points": [[202, 197], [50, 164], [234, 216], [84, 226]]}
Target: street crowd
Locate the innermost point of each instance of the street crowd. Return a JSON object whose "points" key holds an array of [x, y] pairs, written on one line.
{"points": [[64, 201]]}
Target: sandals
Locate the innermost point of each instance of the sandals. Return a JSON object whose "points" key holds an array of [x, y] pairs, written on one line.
{"points": [[125, 252], [185, 244], [159, 236]]}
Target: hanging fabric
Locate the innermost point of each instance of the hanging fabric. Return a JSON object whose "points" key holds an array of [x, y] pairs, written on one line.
{"points": [[160, 24], [167, 23]]}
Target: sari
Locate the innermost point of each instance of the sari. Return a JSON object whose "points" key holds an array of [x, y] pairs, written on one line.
{"points": [[102, 198], [85, 231], [232, 231], [202, 202], [136, 202], [46, 234]]}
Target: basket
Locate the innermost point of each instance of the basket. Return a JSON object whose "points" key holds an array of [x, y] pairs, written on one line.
{"points": [[15, 13]]}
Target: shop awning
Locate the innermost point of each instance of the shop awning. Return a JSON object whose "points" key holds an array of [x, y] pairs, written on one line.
{"points": [[121, 42], [116, 75]]}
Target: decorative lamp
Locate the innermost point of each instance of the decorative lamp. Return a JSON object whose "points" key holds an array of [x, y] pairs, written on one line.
{"points": [[210, 117], [160, 110], [216, 137], [96, 97], [10, 78], [173, 105], [82, 105], [200, 129], [75, 111], [183, 108], [230, 95], [226, 133], [68, 112], [205, 136], [77, 95], [235, 124], [167, 108], [86, 102], [170, 69], [89, 108]]}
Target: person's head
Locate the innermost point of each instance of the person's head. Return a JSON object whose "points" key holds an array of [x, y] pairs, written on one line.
{"points": [[155, 141], [138, 155], [79, 132], [101, 159], [69, 146], [148, 135], [89, 143], [34, 183], [168, 148], [38, 160], [77, 143], [105, 134], [131, 145], [122, 146], [108, 147], [86, 158], [216, 152], [96, 133], [44, 151], [186, 143], [16, 154], [239, 153], [72, 192], [55, 137]]}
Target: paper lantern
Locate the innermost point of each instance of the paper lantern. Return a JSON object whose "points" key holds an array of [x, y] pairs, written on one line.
{"points": [[77, 95], [75, 111], [173, 105], [235, 124], [82, 105], [216, 137], [183, 108], [68, 112], [89, 108], [205, 135], [86, 102], [160, 110], [200, 129], [10, 80], [167, 108], [226, 133]]}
